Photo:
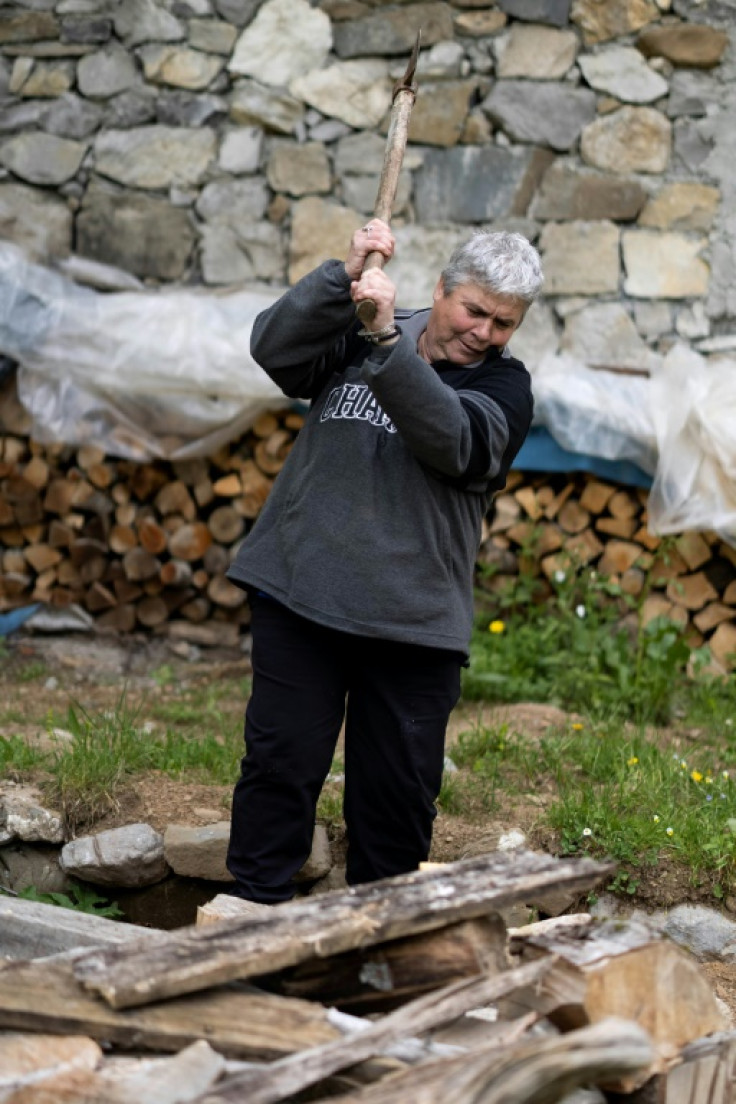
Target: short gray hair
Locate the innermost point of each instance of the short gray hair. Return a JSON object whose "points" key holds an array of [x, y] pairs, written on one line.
{"points": [[500, 261]]}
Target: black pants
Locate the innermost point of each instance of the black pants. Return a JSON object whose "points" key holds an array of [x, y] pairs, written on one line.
{"points": [[395, 699]]}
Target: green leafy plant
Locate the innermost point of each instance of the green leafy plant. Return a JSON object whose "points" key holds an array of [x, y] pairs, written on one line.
{"points": [[80, 898]]}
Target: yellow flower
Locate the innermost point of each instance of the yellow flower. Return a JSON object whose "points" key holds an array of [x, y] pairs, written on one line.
{"points": [[578, 727], [696, 776], [670, 831], [708, 780], [655, 818], [496, 626], [632, 761]]}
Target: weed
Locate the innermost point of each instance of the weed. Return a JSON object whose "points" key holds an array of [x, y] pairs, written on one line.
{"points": [[79, 897]]}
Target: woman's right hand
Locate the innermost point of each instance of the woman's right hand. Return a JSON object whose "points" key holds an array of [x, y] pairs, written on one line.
{"points": [[374, 237]]}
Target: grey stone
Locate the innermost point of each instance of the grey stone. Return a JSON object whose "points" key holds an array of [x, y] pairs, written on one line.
{"points": [[439, 115], [286, 39], [569, 192], [188, 109], [633, 139], [71, 116], [691, 93], [721, 302], [198, 852], [545, 114], [421, 254], [42, 158], [692, 143], [602, 335], [140, 234], [155, 156], [24, 816], [601, 22], [443, 61], [28, 27], [238, 12], [536, 337], [319, 229], [704, 932], [236, 201], [319, 863], [682, 205], [475, 184], [179, 66], [535, 52], [299, 170], [239, 254], [393, 31], [94, 274], [130, 109], [86, 29], [18, 116], [580, 258], [622, 72], [663, 265], [212, 36], [106, 73], [241, 149], [652, 319], [39, 222], [129, 856], [359, 192], [328, 130], [358, 92], [32, 866], [138, 21], [48, 79], [252, 103], [555, 12]]}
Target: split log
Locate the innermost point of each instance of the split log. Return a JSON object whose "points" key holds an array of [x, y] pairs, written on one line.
{"points": [[281, 1080], [386, 976], [537, 1071], [706, 1074], [624, 970], [329, 924], [44, 996]]}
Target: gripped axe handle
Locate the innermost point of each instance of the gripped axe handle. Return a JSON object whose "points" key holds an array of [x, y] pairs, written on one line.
{"points": [[405, 92]]}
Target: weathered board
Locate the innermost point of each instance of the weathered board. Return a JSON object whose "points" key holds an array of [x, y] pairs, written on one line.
{"points": [[195, 958]]}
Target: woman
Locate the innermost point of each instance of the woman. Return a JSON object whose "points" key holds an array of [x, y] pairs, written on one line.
{"points": [[360, 567]]}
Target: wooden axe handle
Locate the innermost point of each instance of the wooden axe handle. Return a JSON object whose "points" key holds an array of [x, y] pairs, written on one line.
{"points": [[405, 93]]}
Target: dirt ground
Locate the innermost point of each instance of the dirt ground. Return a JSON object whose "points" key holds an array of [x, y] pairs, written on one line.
{"points": [[42, 674]]}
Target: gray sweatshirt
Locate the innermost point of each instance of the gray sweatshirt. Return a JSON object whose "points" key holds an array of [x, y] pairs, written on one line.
{"points": [[373, 524]]}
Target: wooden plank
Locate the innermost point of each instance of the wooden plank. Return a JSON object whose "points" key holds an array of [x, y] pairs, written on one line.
{"points": [[247, 1023], [379, 978], [426, 900], [280, 1080], [537, 1071]]}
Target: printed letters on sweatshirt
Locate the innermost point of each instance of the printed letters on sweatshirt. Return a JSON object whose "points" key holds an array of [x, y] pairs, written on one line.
{"points": [[355, 401]]}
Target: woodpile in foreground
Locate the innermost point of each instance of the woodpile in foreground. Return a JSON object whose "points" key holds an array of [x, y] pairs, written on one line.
{"points": [[145, 546], [462, 1008]]}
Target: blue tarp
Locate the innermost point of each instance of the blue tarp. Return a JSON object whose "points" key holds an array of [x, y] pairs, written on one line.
{"points": [[540, 452]]}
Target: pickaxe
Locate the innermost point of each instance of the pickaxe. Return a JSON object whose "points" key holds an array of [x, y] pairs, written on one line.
{"points": [[404, 94]]}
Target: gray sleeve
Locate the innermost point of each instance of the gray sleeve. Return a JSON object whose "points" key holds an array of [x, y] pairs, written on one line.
{"points": [[443, 428]]}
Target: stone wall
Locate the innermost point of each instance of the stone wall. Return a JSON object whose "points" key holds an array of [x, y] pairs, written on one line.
{"points": [[238, 142]]}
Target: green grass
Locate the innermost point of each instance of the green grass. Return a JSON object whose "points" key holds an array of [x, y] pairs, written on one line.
{"points": [[642, 773]]}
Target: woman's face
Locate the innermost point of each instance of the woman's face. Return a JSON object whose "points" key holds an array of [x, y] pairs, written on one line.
{"points": [[465, 323]]}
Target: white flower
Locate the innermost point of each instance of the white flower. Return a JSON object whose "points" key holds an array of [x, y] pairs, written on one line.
{"points": [[560, 577], [587, 831], [580, 611]]}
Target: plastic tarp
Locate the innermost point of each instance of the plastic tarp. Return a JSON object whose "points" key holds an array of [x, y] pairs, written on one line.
{"points": [[141, 374], [168, 373]]}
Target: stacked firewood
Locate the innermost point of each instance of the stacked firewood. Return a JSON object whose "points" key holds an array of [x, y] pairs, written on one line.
{"points": [[140, 546], [413, 988], [145, 546], [550, 524]]}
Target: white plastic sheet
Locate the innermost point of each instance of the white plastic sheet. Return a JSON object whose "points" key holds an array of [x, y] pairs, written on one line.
{"points": [[694, 409], [161, 373], [596, 412]]}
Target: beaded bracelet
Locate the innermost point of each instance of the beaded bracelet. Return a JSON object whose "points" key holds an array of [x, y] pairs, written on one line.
{"points": [[377, 336]]}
